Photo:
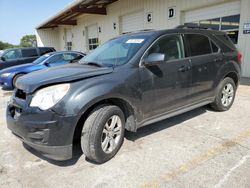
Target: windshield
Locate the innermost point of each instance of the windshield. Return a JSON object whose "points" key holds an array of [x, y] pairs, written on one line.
{"points": [[41, 59], [116, 52]]}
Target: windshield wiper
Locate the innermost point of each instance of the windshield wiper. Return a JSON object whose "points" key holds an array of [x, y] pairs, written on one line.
{"points": [[93, 64]]}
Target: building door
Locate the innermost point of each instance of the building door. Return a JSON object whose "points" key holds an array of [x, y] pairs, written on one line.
{"points": [[132, 22], [225, 17], [68, 41], [93, 40]]}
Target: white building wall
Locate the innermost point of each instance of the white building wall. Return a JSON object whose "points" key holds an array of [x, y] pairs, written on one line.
{"points": [[244, 39], [159, 8], [48, 38]]}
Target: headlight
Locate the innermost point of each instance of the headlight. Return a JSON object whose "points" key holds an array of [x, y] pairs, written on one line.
{"points": [[49, 96], [5, 75]]}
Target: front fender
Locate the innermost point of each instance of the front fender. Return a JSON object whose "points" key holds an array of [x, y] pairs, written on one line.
{"points": [[80, 99]]}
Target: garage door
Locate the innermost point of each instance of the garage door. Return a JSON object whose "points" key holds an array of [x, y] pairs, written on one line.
{"points": [[93, 40], [132, 22], [221, 10], [224, 17]]}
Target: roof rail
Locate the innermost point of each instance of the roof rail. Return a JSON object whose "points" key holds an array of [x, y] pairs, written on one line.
{"points": [[143, 30], [192, 26]]}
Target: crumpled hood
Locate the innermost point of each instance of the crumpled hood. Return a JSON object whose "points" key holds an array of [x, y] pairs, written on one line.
{"points": [[61, 74]]}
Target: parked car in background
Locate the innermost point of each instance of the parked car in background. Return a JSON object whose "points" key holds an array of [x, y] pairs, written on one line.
{"points": [[17, 56], [1, 52], [9, 76], [127, 83]]}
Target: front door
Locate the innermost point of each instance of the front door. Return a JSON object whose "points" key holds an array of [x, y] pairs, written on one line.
{"points": [[165, 86]]}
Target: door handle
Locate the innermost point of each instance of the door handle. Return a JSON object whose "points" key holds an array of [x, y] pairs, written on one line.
{"points": [[184, 68]]}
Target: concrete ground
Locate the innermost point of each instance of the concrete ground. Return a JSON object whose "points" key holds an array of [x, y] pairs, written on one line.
{"points": [[201, 148]]}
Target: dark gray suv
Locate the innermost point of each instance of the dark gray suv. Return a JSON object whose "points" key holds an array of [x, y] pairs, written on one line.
{"points": [[129, 82]]}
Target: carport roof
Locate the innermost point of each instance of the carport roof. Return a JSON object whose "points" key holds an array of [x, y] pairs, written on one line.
{"points": [[68, 15]]}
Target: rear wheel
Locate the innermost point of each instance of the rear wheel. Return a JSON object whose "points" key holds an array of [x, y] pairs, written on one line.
{"points": [[225, 95], [15, 79], [103, 133]]}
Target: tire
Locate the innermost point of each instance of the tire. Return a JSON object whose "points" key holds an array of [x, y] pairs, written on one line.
{"points": [[15, 79], [95, 133], [225, 95]]}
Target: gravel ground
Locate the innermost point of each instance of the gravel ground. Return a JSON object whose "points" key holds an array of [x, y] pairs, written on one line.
{"points": [[201, 148]]}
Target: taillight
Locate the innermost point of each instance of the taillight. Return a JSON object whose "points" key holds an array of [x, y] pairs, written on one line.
{"points": [[239, 57]]}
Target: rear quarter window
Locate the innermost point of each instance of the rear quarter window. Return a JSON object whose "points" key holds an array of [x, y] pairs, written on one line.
{"points": [[198, 44], [29, 52], [226, 43]]}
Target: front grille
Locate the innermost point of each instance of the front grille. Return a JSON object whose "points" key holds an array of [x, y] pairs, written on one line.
{"points": [[20, 94]]}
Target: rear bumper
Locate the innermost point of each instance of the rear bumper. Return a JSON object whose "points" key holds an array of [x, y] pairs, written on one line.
{"points": [[45, 131]]}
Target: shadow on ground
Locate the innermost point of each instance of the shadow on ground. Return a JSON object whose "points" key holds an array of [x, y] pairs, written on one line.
{"points": [[142, 132]]}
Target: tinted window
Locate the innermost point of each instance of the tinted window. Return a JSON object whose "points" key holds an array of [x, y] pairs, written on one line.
{"points": [[214, 47], [226, 42], [12, 54], [45, 50], [198, 44], [29, 52], [171, 46]]}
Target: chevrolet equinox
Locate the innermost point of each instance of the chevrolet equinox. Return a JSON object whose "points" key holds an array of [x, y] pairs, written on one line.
{"points": [[130, 81]]}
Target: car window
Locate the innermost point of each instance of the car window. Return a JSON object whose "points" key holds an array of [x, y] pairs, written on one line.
{"points": [[45, 50], [226, 42], [56, 58], [214, 47], [29, 52], [170, 46], [69, 56], [198, 44], [119, 50], [12, 54]]}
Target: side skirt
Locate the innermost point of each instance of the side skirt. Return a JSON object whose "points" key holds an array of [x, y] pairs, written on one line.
{"points": [[176, 112]]}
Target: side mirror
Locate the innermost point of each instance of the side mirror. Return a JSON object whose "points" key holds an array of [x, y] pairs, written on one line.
{"points": [[3, 58], [154, 59]]}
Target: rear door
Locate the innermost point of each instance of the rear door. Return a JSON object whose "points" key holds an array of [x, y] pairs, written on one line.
{"points": [[205, 60], [165, 86], [29, 55]]}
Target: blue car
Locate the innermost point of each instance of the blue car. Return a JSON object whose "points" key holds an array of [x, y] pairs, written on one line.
{"points": [[9, 76]]}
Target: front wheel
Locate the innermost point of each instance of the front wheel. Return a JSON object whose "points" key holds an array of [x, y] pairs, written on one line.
{"points": [[15, 79], [225, 95], [103, 133]]}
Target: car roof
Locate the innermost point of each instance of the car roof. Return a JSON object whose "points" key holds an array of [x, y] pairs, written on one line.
{"points": [[175, 30], [26, 48], [62, 52]]}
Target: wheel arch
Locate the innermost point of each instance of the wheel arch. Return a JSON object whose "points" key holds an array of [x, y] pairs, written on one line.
{"points": [[234, 76], [124, 105], [229, 69]]}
